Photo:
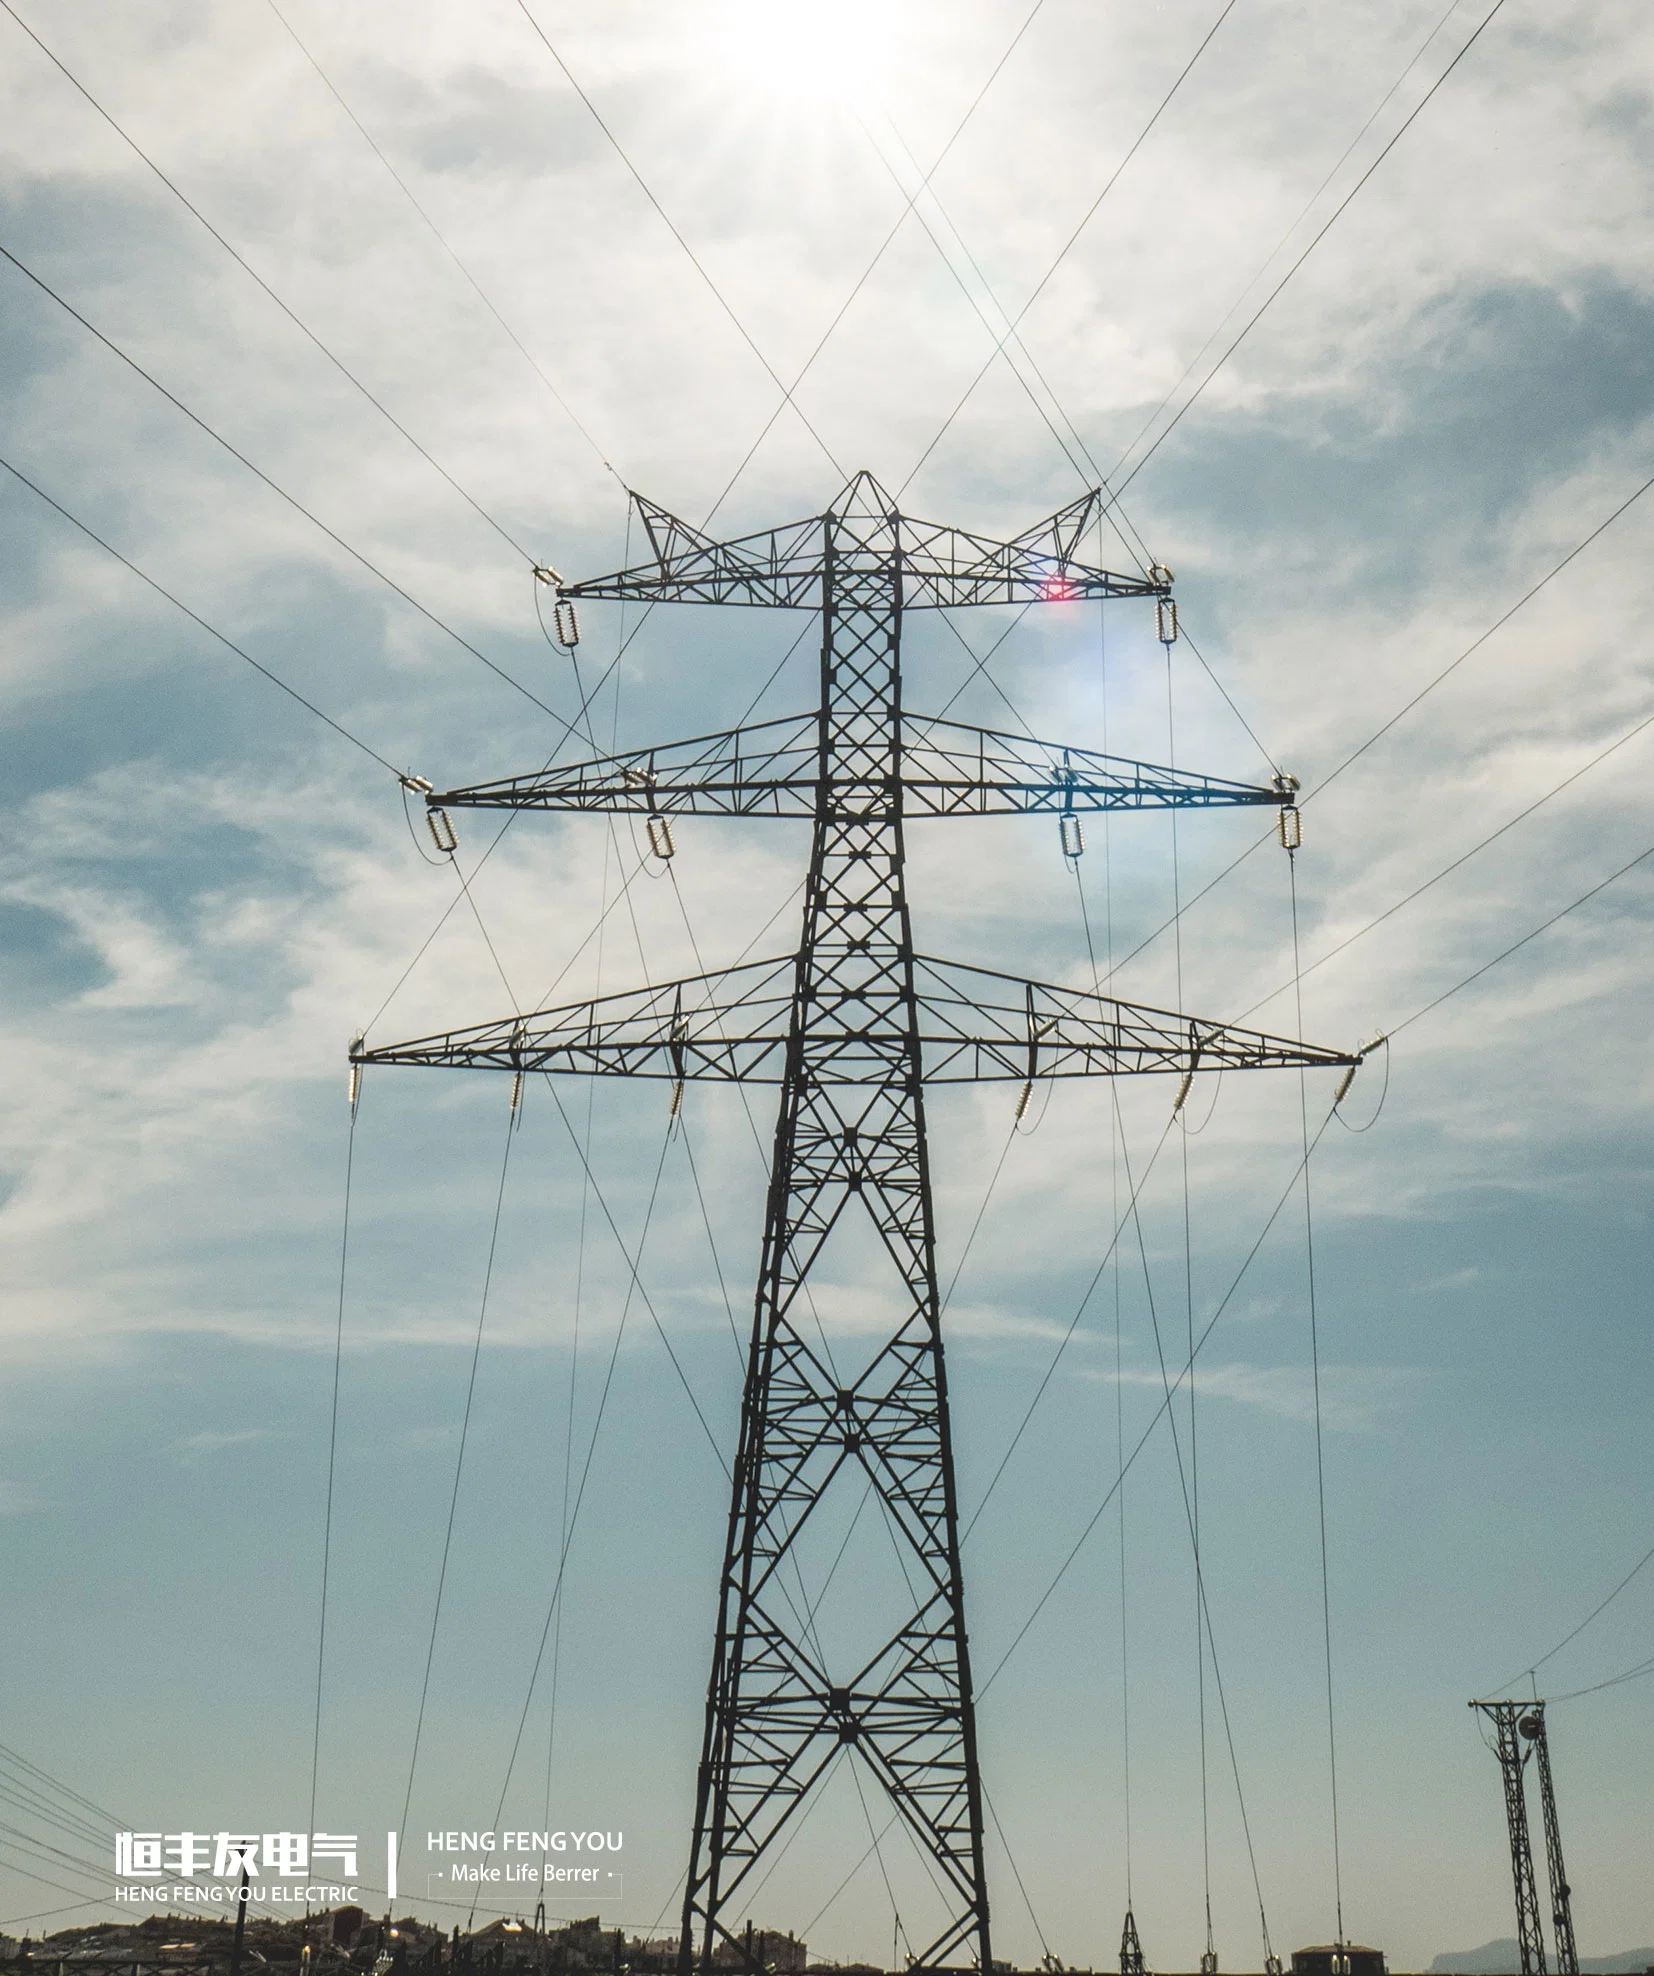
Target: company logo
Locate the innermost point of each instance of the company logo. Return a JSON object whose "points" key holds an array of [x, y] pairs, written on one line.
{"points": [[210, 1867]]}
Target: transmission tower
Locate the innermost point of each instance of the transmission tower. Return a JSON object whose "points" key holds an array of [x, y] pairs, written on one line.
{"points": [[851, 1026], [1519, 1733]]}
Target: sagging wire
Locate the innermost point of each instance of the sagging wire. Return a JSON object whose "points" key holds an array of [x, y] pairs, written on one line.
{"points": [[1137, 142], [1143, 1439], [1337, 213], [1073, 1325], [1203, 1610], [1315, 1371], [442, 242], [591, 1451], [459, 1459], [333, 1430], [1344, 1083], [196, 618]]}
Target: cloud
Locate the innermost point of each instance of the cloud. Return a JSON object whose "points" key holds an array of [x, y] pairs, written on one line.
{"points": [[206, 1443], [1354, 1398]]}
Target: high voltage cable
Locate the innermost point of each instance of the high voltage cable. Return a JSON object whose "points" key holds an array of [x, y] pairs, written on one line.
{"points": [[591, 1450], [1160, 1409], [1188, 1484], [1085, 465], [368, 138], [672, 228], [1274, 1215], [1476, 644], [1416, 58], [878, 255], [247, 268], [21, 1762], [1516, 946], [459, 1465], [1464, 858], [292, 500], [332, 1453], [1643, 1667], [195, 617], [1568, 1638], [1336, 214], [1108, 187], [1315, 1378]]}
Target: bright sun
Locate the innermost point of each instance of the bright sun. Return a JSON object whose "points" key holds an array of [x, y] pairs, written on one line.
{"points": [[813, 50]]}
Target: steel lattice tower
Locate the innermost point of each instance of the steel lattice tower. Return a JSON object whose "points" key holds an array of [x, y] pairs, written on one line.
{"points": [[1519, 1731], [852, 1026]]}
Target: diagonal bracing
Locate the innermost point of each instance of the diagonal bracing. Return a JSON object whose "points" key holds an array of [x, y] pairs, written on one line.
{"points": [[852, 1027]]}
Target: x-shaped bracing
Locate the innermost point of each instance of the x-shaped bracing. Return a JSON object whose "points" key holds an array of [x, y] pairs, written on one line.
{"points": [[853, 1028]]}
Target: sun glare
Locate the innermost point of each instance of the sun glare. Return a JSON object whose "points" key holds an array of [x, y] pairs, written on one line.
{"points": [[805, 50]]}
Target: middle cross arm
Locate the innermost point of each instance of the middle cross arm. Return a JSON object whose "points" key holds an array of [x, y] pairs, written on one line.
{"points": [[974, 1026], [772, 769]]}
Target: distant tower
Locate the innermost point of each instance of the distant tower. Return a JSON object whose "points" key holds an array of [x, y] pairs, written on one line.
{"points": [[1131, 1949], [1519, 1732]]}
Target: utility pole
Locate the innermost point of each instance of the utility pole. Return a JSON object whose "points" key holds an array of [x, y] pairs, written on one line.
{"points": [[852, 1026], [1519, 1732]]}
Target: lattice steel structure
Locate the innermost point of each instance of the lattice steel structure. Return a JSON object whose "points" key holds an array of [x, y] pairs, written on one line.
{"points": [[1519, 1732], [851, 1026]]}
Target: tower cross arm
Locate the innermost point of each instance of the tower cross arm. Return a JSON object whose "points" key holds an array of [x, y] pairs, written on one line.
{"points": [[976, 1026], [937, 567], [773, 769], [725, 1027], [972, 1026]]}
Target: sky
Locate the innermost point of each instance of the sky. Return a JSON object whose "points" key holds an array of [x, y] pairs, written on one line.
{"points": [[402, 303]]}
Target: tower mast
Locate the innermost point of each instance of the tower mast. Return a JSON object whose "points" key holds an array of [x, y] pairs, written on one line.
{"points": [[852, 1026]]}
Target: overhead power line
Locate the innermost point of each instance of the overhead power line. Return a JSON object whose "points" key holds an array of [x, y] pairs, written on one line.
{"points": [[1476, 644], [1595, 1612], [677, 234], [1463, 858], [1337, 213], [1039, 288], [241, 261], [275, 487], [195, 617], [1309, 206], [878, 255], [1517, 945], [437, 234]]}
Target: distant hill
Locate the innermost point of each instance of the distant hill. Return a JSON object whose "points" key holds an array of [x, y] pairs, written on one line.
{"points": [[1504, 1958]]}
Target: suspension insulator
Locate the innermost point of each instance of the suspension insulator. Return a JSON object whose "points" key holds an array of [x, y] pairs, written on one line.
{"points": [[353, 1086], [516, 1093], [1183, 1091], [1165, 620], [677, 1099], [1073, 837], [1344, 1084], [1023, 1097], [443, 834], [567, 622], [660, 838], [1289, 827]]}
